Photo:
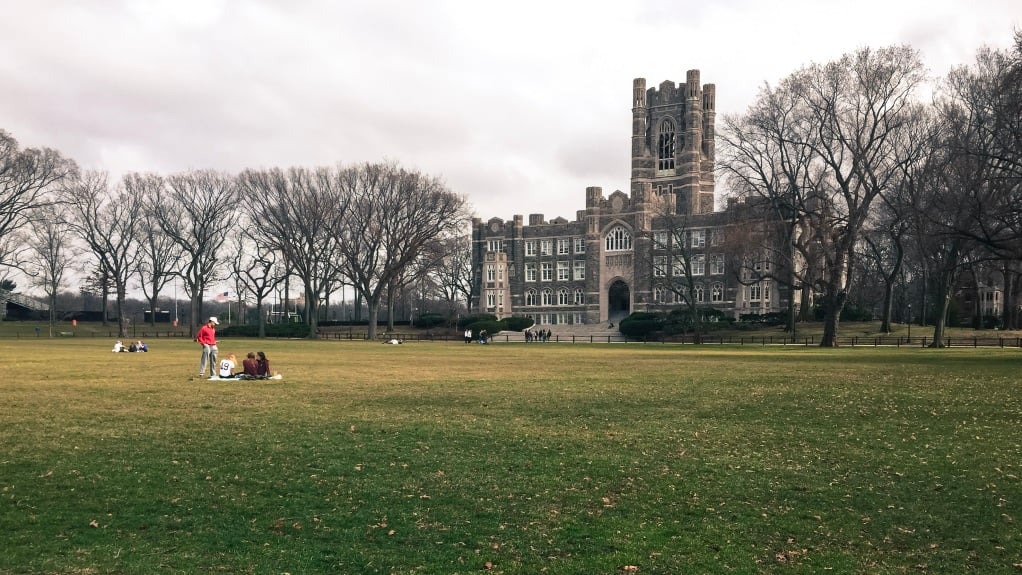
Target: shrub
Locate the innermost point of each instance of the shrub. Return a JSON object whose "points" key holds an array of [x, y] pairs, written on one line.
{"points": [[468, 320], [640, 325], [492, 327], [517, 323]]}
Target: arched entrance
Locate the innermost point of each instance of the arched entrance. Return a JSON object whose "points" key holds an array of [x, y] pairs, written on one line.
{"points": [[618, 301]]}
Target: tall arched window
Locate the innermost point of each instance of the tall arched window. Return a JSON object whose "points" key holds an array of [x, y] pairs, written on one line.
{"points": [[717, 292], [665, 147], [530, 297], [548, 297], [618, 239], [563, 297], [659, 295], [580, 296]]}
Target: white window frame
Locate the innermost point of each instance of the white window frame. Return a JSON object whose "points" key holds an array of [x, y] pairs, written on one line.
{"points": [[717, 292], [659, 266], [699, 265], [546, 297], [580, 269], [563, 272], [716, 264], [546, 271], [563, 297], [618, 239], [531, 297]]}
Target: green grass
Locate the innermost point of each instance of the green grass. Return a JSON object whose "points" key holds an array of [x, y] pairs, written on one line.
{"points": [[524, 458]]}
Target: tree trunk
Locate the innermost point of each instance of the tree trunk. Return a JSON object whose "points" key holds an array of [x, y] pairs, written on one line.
{"points": [[122, 327], [938, 325], [1010, 310], [805, 307], [833, 304], [390, 307], [152, 309], [885, 325], [374, 304], [261, 317], [312, 310], [977, 302], [946, 286], [792, 309]]}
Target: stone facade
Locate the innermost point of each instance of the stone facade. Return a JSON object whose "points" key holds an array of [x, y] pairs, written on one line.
{"points": [[611, 260]]}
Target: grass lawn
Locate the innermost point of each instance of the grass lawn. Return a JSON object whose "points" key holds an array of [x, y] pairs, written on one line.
{"points": [[448, 458]]}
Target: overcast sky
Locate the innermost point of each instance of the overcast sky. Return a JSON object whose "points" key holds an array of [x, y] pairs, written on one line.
{"points": [[517, 105]]}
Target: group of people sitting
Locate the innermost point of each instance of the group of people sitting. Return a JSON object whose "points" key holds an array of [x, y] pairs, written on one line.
{"points": [[253, 367], [137, 346]]}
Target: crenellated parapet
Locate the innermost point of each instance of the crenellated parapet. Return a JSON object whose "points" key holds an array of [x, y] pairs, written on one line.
{"points": [[673, 141]]}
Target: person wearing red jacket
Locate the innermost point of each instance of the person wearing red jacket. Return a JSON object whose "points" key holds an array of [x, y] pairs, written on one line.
{"points": [[207, 339]]}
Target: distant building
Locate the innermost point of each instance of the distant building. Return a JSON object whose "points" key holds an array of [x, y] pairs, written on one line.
{"points": [[621, 251]]}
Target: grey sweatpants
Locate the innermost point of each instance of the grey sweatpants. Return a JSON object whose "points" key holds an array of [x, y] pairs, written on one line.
{"points": [[208, 358]]}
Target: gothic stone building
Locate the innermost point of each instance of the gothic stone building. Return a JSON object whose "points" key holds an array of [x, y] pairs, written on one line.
{"points": [[614, 257]]}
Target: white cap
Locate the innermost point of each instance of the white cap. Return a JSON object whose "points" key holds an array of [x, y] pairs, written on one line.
{"points": [[214, 320]]}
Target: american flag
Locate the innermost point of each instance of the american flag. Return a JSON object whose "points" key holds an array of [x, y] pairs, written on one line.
{"points": [[221, 297]]}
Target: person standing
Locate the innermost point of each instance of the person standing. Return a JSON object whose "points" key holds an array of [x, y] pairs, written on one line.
{"points": [[207, 339]]}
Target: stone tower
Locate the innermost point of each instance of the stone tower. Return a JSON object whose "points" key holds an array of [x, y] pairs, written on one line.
{"points": [[672, 142]]}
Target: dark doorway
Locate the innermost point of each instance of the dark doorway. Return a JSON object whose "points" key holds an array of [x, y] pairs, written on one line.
{"points": [[618, 301]]}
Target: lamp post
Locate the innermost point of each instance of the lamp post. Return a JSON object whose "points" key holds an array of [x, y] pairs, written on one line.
{"points": [[910, 323]]}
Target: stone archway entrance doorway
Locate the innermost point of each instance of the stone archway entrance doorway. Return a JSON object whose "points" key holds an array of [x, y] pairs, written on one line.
{"points": [[618, 301]]}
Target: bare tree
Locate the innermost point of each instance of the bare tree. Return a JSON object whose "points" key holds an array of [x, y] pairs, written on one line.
{"points": [[158, 254], [678, 263], [197, 211], [848, 115], [452, 276], [768, 162], [296, 212], [27, 176], [980, 106], [392, 214], [982, 102], [51, 245], [107, 222], [255, 267]]}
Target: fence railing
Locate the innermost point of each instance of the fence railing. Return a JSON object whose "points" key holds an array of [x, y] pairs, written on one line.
{"points": [[851, 341], [515, 337]]}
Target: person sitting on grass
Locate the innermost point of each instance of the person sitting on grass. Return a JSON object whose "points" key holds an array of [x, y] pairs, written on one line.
{"points": [[226, 370], [251, 367], [263, 366]]}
